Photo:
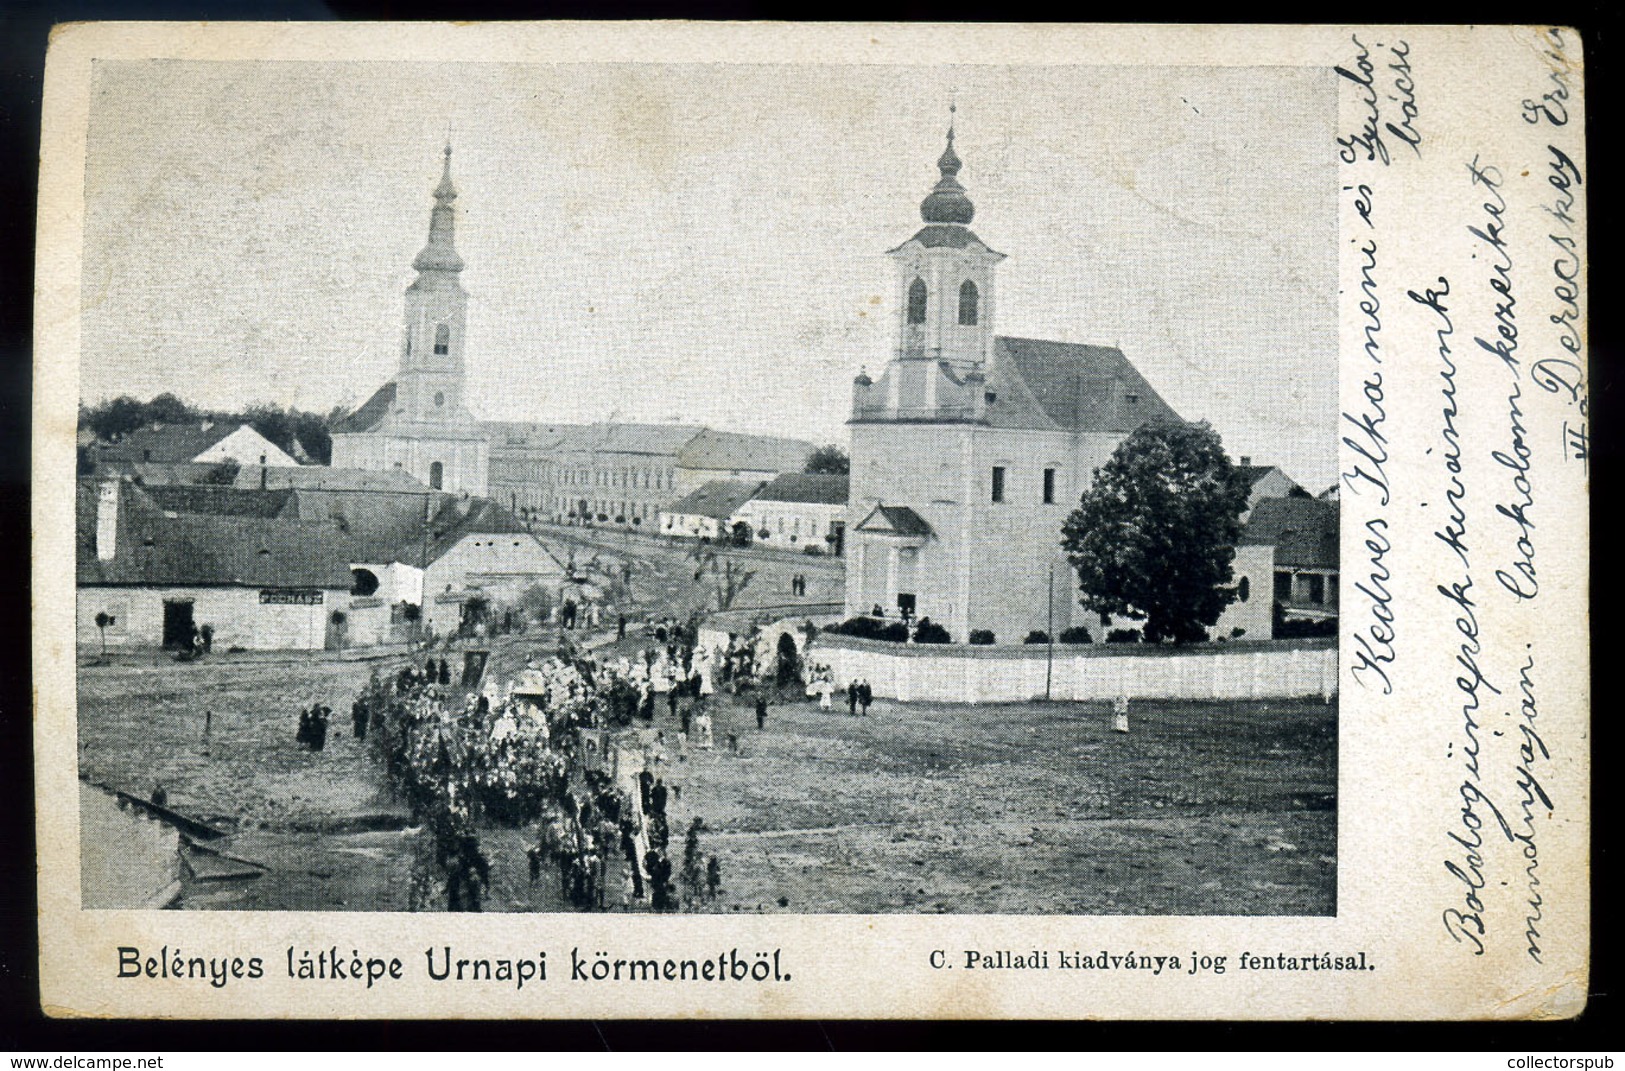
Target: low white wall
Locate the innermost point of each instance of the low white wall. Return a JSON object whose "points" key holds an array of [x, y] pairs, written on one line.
{"points": [[236, 614], [955, 673]]}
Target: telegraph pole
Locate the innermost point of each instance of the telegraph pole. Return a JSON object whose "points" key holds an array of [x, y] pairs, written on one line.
{"points": [[1049, 658]]}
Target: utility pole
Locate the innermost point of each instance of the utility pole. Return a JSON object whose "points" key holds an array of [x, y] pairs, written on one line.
{"points": [[1049, 658]]}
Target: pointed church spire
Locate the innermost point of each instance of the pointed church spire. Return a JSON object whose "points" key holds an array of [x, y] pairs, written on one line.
{"points": [[947, 201], [440, 254], [446, 191]]}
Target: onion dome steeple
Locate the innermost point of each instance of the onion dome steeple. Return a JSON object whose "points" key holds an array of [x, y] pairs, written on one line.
{"points": [[947, 202], [440, 254]]}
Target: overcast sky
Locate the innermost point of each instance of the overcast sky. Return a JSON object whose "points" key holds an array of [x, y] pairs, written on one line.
{"points": [[706, 242]]}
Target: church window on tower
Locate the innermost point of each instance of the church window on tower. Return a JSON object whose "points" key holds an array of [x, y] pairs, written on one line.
{"points": [[437, 475], [442, 339], [968, 299], [439, 398], [916, 301]]}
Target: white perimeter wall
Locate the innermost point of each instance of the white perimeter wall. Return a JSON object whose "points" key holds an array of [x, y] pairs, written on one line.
{"points": [[954, 673]]}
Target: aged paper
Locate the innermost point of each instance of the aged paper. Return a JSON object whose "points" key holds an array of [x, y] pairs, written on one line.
{"points": [[642, 266]]}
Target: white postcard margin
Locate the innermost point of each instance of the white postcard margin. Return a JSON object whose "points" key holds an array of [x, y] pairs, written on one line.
{"points": [[1466, 893]]}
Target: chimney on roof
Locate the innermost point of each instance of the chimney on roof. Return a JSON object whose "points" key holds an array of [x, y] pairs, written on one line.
{"points": [[107, 503], [1246, 462]]}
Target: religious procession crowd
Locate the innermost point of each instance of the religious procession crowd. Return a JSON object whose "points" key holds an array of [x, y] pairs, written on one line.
{"points": [[540, 755]]}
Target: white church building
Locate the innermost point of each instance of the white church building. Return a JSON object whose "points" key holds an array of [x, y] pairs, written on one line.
{"points": [[971, 448], [418, 422]]}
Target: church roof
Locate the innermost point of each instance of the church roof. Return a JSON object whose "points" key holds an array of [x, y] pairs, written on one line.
{"points": [[895, 520], [718, 499], [948, 202], [1070, 386], [1303, 531], [370, 414], [815, 488], [945, 236], [440, 254]]}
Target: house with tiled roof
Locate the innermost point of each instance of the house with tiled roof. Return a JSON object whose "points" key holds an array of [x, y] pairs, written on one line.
{"points": [[1265, 481], [201, 442], [472, 548], [708, 512], [1302, 536], [799, 510], [155, 576], [970, 448], [257, 565]]}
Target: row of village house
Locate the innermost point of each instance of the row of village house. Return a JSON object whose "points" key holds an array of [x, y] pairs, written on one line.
{"points": [[291, 556], [279, 555]]}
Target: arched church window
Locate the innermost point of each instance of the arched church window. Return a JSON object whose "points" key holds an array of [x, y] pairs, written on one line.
{"points": [[442, 339], [916, 301], [437, 475], [968, 300], [439, 397]]}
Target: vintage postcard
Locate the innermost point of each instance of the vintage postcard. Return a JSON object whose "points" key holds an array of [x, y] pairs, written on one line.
{"points": [[684, 520]]}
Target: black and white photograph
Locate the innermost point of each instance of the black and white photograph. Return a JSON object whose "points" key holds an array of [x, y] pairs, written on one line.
{"points": [[812, 521], [708, 489]]}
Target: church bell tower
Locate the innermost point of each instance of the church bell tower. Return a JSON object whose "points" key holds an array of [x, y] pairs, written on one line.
{"points": [[945, 303], [431, 378], [945, 278]]}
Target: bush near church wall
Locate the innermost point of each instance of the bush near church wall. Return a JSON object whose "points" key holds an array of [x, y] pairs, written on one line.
{"points": [[959, 673]]}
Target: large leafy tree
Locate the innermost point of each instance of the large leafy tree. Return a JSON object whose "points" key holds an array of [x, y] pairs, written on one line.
{"points": [[828, 461], [1154, 536]]}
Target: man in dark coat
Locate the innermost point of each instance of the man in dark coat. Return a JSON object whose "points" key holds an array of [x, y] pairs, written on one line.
{"points": [[646, 781], [761, 712], [852, 697], [657, 798], [866, 695], [445, 672]]}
